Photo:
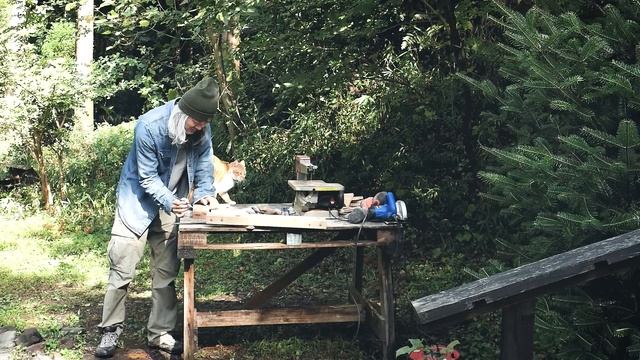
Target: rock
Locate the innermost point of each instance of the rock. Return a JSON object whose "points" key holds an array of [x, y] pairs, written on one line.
{"points": [[40, 356], [7, 328], [7, 338], [29, 337], [67, 342], [65, 331], [37, 348]]}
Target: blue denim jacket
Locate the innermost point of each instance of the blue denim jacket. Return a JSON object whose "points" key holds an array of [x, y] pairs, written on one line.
{"points": [[142, 189]]}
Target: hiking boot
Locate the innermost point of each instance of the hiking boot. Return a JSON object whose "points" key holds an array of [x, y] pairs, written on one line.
{"points": [[109, 341], [166, 343]]}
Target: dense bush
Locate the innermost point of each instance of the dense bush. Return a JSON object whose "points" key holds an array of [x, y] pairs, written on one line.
{"points": [[569, 98], [93, 170]]}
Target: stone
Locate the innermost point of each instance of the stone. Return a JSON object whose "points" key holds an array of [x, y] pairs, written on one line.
{"points": [[7, 338], [37, 348], [71, 331], [67, 342], [29, 337]]}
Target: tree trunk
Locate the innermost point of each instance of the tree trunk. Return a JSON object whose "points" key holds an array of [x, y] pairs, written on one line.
{"points": [[229, 109], [84, 58], [45, 187], [17, 18], [232, 39], [62, 178]]}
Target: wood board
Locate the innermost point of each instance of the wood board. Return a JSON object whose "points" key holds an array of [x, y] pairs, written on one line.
{"points": [[307, 315], [261, 220], [573, 267]]}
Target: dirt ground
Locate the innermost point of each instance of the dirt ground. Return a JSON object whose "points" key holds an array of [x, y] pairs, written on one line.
{"points": [[228, 343]]}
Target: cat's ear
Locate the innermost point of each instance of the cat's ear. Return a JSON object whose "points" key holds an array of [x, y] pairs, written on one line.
{"points": [[242, 162]]}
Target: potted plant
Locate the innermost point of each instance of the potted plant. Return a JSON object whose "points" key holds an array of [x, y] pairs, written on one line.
{"points": [[419, 351]]}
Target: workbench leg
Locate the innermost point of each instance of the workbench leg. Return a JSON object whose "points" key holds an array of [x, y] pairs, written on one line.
{"points": [[358, 257], [190, 326], [387, 304]]}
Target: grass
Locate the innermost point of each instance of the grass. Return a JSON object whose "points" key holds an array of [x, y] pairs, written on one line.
{"points": [[40, 290], [51, 279]]}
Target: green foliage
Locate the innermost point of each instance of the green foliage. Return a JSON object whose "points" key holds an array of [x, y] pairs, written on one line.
{"points": [[367, 89], [580, 192], [562, 73], [587, 323], [567, 174], [37, 114], [20, 202], [93, 171], [295, 348], [60, 42], [4, 13], [155, 52], [330, 41]]}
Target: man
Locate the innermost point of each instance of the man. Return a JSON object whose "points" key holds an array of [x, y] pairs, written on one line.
{"points": [[171, 154]]}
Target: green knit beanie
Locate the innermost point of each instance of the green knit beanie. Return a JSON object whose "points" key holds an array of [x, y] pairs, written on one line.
{"points": [[201, 101]]}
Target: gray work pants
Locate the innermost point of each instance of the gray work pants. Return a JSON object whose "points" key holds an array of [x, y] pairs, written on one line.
{"points": [[125, 250]]}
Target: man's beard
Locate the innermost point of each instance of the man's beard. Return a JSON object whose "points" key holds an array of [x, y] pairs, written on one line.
{"points": [[177, 121]]}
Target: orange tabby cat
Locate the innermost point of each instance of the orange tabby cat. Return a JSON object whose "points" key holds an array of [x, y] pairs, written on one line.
{"points": [[226, 175]]}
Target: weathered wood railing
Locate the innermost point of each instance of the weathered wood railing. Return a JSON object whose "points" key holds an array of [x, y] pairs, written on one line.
{"points": [[515, 291]]}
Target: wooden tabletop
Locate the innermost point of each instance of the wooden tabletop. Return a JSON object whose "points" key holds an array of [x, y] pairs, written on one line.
{"points": [[331, 221]]}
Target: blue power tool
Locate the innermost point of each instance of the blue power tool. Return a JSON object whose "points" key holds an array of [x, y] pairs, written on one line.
{"points": [[388, 208]]}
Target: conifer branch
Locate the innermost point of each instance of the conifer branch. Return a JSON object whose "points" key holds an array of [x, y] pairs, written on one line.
{"points": [[631, 69]]}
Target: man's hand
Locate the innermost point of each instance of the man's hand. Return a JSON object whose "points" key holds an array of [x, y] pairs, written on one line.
{"points": [[180, 207], [208, 200]]}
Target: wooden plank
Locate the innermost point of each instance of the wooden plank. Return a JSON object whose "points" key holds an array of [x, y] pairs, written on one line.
{"points": [[517, 331], [190, 240], [189, 329], [309, 262], [192, 224], [348, 197], [332, 225], [199, 211], [279, 221], [314, 185], [281, 246], [216, 229], [195, 225], [308, 315], [358, 267], [566, 269]]}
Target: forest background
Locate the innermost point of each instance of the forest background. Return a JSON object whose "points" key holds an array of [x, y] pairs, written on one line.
{"points": [[508, 128]]}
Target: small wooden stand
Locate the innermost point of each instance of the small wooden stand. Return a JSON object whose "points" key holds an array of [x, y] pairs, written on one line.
{"points": [[192, 237]]}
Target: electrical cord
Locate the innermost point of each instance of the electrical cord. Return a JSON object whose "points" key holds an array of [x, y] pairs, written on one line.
{"points": [[336, 217], [355, 255], [355, 335]]}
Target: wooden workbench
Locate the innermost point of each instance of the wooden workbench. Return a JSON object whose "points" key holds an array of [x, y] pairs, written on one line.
{"points": [[192, 238]]}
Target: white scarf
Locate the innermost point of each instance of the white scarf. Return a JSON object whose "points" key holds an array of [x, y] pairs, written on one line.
{"points": [[177, 120]]}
